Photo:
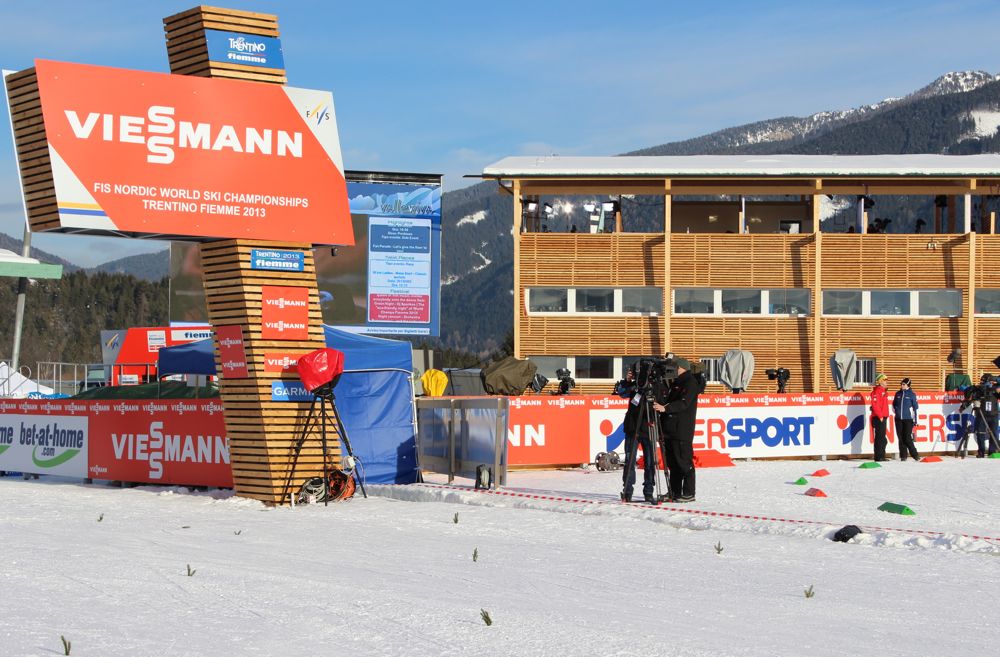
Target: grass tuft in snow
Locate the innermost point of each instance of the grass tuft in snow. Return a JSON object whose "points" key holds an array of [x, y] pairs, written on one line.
{"points": [[475, 555], [100, 517], [191, 571], [810, 592], [718, 547], [237, 532], [67, 645], [485, 615], [455, 519]]}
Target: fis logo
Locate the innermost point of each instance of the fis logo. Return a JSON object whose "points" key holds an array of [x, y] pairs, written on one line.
{"points": [[849, 429], [319, 113]]}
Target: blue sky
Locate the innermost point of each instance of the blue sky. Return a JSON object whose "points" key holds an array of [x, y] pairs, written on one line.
{"points": [[449, 87]]}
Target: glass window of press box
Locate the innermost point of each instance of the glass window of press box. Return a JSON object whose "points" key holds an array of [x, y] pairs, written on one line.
{"points": [[893, 303], [629, 300], [738, 301], [600, 368], [987, 302]]}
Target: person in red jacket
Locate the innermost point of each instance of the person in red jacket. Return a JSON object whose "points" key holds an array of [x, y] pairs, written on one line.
{"points": [[880, 413]]}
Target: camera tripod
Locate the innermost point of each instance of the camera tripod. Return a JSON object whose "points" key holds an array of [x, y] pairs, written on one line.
{"points": [[323, 397], [648, 417], [962, 449]]}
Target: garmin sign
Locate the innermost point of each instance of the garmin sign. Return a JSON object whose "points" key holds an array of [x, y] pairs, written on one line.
{"points": [[245, 49]]}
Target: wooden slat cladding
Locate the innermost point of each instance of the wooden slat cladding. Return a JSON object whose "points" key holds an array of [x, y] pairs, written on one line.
{"points": [[187, 47], [594, 336], [741, 261], [31, 146], [913, 347], [774, 342], [262, 432], [572, 259], [895, 261], [987, 261]]}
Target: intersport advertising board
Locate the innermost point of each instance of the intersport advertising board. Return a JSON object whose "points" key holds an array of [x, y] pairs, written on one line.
{"points": [[575, 428], [146, 153]]}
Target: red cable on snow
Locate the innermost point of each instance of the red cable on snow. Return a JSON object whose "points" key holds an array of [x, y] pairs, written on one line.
{"points": [[698, 512]]}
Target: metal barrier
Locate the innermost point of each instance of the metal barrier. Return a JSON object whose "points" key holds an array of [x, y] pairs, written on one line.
{"points": [[457, 434], [10, 389]]}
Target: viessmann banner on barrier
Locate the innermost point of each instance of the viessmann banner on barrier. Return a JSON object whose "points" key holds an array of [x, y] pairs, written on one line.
{"points": [[156, 154], [574, 429], [145, 441]]}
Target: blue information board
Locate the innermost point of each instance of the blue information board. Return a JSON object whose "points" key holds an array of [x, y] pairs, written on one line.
{"points": [[244, 49]]}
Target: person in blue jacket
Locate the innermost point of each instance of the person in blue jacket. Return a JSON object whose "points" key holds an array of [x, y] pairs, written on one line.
{"points": [[904, 407]]}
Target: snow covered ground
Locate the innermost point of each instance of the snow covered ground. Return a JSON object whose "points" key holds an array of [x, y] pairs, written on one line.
{"points": [[395, 575]]}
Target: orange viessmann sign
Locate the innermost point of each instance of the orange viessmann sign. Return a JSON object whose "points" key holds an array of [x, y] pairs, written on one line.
{"points": [[156, 154]]}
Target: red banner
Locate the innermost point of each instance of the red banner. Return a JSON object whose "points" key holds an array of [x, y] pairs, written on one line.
{"points": [[284, 313], [150, 153], [160, 442], [232, 353]]}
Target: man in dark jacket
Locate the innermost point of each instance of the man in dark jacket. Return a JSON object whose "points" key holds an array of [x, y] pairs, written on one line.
{"points": [[678, 414], [636, 428]]}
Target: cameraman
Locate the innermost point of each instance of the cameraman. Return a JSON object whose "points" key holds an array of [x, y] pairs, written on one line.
{"points": [[679, 411], [984, 399], [636, 433]]}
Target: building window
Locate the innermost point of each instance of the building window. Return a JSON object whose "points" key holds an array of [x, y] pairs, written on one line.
{"points": [[940, 303], [694, 300], [987, 302], [788, 301], [595, 300], [841, 302], [710, 366], [864, 373], [740, 302], [894, 303], [594, 367], [547, 365], [646, 300], [890, 302], [547, 300]]}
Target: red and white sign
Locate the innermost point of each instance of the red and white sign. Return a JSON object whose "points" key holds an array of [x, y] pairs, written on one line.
{"points": [[160, 441], [284, 313], [232, 352], [137, 357], [155, 441], [399, 308], [574, 429], [285, 363], [156, 154]]}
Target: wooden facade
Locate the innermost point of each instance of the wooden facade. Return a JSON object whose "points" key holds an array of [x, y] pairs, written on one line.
{"points": [[914, 346]]}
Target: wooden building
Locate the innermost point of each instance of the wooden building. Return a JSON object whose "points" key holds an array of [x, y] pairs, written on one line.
{"points": [[743, 260]]}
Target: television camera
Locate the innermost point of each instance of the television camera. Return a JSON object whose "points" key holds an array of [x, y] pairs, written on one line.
{"points": [[982, 399], [653, 373], [566, 382], [779, 374]]}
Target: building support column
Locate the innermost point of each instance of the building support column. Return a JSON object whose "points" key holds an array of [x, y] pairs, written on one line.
{"points": [[517, 269], [970, 314], [817, 299], [967, 214], [668, 306]]}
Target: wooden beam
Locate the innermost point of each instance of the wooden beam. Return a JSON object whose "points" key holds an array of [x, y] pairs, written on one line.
{"points": [[970, 314], [967, 214], [668, 307], [517, 269], [817, 305]]}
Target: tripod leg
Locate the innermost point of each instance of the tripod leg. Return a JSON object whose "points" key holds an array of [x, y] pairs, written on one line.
{"points": [[347, 445], [310, 419]]}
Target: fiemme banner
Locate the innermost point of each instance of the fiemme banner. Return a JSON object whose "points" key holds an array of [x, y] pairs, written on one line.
{"points": [[145, 153]]}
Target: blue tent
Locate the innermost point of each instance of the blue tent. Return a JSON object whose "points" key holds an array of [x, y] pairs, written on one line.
{"points": [[374, 398]]}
